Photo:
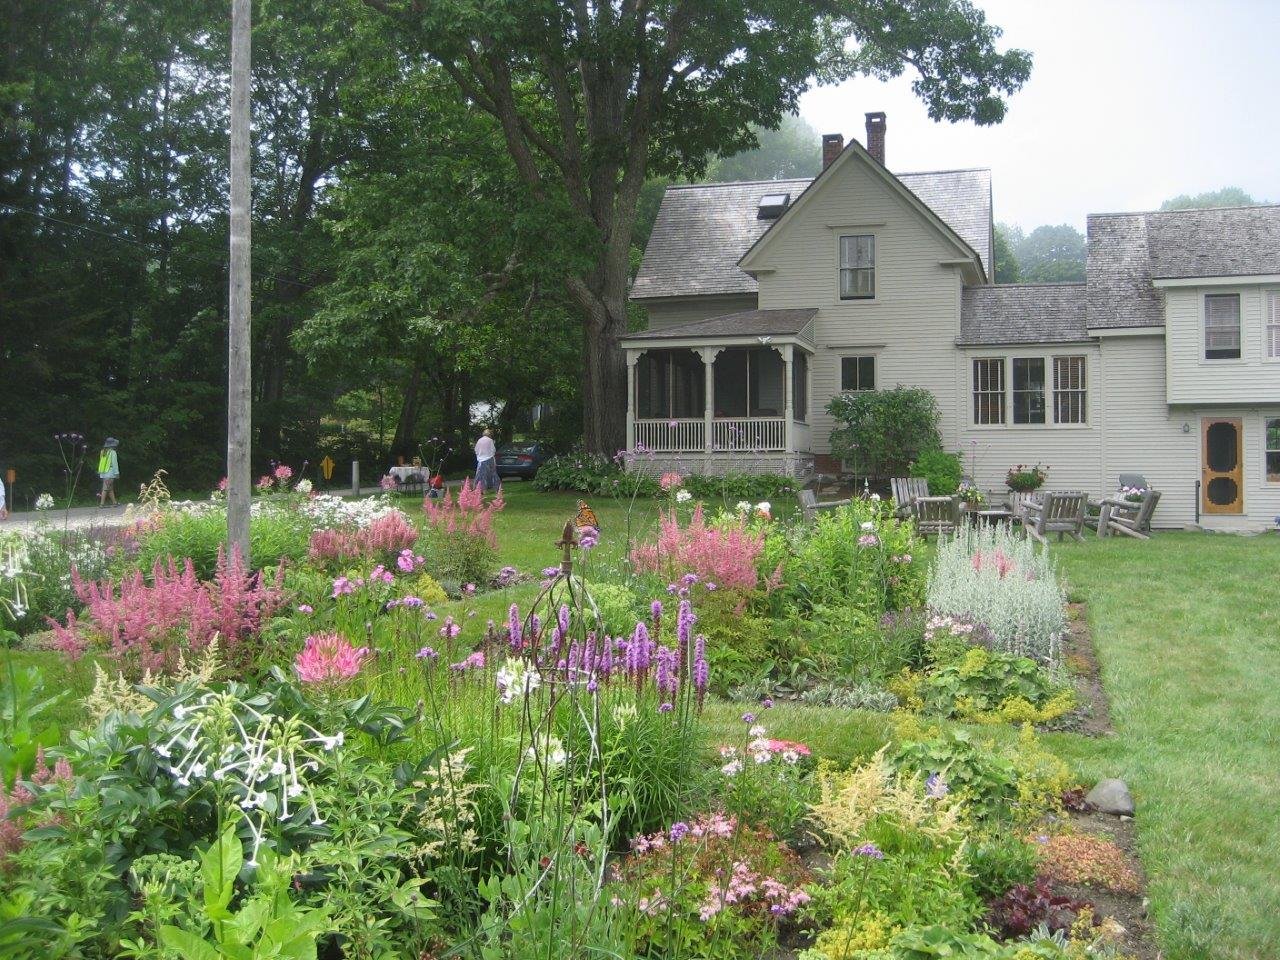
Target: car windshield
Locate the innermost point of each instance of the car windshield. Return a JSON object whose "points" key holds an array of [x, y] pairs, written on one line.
{"points": [[520, 448]]}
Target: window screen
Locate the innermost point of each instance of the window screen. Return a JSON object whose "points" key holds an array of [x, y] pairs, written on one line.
{"points": [[858, 267]]}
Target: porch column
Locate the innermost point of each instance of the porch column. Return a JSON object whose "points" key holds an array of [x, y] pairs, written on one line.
{"points": [[633, 357], [709, 400], [788, 403]]}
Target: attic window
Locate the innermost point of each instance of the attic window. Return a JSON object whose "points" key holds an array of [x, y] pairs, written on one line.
{"points": [[772, 205]]}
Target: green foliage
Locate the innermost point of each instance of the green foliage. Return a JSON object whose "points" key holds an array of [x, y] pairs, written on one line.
{"points": [[24, 725], [825, 565], [275, 534], [1024, 479], [1007, 269], [882, 431], [941, 470], [1222, 197], [980, 685], [42, 563], [790, 151], [619, 607], [1048, 254], [602, 476], [986, 781], [998, 860]]}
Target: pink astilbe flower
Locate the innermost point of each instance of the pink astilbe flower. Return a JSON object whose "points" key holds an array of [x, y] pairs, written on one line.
{"points": [[145, 625], [670, 481], [328, 658], [467, 514], [725, 555], [392, 533], [12, 801]]}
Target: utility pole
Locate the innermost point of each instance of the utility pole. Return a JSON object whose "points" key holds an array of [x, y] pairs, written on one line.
{"points": [[239, 403]]}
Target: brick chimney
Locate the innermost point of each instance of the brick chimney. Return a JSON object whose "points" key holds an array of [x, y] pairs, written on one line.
{"points": [[832, 144], [875, 135]]}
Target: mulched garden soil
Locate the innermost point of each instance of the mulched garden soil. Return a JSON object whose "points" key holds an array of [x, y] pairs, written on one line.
{"points": [[1092, 717], [1127, 909]]}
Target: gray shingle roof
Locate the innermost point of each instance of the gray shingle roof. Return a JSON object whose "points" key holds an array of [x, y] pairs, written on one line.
{"points": [[1128, 250], [1228, 242], [747, 323], [1023, 313], [702, 230]]}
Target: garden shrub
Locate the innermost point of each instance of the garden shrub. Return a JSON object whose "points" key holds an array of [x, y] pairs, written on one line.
{"points": [[882, 431], [1027, 906], [618, 606], [35, 576], [855, 645], [277, 532], [999, 860], [605, 476], [992, 577], [858, 556], [941, 470], [458, 539]]}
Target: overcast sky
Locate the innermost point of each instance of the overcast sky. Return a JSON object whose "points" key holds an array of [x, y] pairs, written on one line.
{"points": [[1130, 102]]}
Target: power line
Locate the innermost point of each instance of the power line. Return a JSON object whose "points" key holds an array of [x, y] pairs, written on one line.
{"points": [[150, 246]]}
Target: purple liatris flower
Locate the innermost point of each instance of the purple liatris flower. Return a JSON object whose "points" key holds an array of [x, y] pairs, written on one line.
{"points": [[563, 619], [513, 627], [665, 708], [701, 671], [427, 653], [666, 678], [655, 614], [684, 625]]}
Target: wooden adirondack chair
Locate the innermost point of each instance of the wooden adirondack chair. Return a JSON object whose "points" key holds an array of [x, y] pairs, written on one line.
{"points": [[1060, 513], [810, 504], [906, 490], [939, 515], [1131, 519], [1018, 504]]}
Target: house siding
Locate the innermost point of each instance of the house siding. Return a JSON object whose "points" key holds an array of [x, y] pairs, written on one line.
{"points": [[670, 313], [1191, 378], [1070, 453], [911, 325]]}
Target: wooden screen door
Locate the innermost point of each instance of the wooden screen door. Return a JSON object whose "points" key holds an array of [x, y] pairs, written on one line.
{"points": [[1221, 471]]}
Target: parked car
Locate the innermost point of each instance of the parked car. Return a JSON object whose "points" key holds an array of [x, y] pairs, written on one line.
{"points": [[521, 459]]}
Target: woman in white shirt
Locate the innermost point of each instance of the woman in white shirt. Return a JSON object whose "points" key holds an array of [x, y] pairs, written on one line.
{"points": [[486, 461]]}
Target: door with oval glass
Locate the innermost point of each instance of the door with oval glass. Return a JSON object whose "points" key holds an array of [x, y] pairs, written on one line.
{"points": [[1221, 471]]}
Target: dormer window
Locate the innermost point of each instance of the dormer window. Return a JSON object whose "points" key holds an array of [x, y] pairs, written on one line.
{"points": [[1222, 326], [772, 205], [858, 267]]}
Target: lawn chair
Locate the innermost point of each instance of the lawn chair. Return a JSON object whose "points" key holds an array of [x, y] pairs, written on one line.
{"points": [[1135, 480], [907, 490], [940, 515], [1018, 504], [1060, 513], [1127, 517], [810, 504]]}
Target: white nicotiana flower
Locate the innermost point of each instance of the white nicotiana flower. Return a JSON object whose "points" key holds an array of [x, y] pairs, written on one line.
{"points": [[277, 768], [44, 501], [744, 506], [683, 496]]}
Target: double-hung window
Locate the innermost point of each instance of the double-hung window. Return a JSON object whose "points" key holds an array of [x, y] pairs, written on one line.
{"points": [[1222, 326], [1271, 430], [857, 373], [988, 390], [1028, 390], [1271, 326], [1069, 390], [858, 267]]}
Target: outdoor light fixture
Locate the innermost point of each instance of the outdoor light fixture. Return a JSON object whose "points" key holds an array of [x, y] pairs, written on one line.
{"points": [[1186, 428]]}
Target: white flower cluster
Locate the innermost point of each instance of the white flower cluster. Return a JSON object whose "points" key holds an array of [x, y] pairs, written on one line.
{"points": [[261, 759], [551, 750], [516, 679], [44, 501], [330, 511], [303, 486]]}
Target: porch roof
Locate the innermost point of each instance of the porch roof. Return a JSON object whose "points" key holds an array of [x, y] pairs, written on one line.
{"points": [[746, 324]]}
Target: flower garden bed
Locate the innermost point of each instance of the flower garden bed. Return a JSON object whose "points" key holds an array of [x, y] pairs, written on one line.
{"points": [[388, 744]]}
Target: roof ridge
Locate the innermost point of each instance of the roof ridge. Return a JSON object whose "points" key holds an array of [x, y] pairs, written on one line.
{"points": [[1147, 213], [736, 183], [1030, 283], [927, 173]]}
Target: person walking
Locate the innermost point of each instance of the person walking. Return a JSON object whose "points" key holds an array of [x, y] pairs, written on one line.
{"points": [[486, 461], [4, 511], [108, 470]]}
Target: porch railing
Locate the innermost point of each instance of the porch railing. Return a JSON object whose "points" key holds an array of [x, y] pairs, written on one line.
{"points": [[749, 434], [671, 436]]}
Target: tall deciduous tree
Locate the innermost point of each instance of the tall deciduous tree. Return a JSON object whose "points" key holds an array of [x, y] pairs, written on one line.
{"points": [[1050, 254], [1224, 197], [792, 150], [592, 98]]}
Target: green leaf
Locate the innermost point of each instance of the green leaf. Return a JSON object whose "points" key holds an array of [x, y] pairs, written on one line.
{"points": [[187, 945], [219, 867]]}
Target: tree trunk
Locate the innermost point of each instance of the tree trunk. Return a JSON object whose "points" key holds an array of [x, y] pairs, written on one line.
{"points": [[239, 402], [407, 425], [604, 384]]}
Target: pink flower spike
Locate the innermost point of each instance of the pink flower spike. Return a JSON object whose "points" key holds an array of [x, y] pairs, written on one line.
{"points": [[328, 658]]}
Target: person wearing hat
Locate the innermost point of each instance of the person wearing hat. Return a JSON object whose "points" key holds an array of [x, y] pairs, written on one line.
{"points": [[108, 470]]}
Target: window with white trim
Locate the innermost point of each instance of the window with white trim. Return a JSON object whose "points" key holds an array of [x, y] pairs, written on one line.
{"points": [[1069, 390], [1028, 390], [1222, 326], [1271, 327], [857, 373], [1271, 432], [988, 390], [858, 267]]}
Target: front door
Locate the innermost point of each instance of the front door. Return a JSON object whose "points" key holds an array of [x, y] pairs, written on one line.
{"points": [[1221, 475]]}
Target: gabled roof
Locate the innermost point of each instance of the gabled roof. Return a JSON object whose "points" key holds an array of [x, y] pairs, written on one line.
{"points": [[1023, 313], [745, 323], [1129, 250], [703, 230]]}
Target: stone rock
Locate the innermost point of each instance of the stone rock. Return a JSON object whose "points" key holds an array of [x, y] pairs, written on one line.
{"points": [[1111, 796]]}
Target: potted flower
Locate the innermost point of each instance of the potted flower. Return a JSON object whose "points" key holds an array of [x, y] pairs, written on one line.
{"points": [[1133, 494], [1024, 479], [971, 498]]}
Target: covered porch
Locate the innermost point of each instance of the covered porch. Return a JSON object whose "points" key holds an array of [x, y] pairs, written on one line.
{"points": [[728, 393]]}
